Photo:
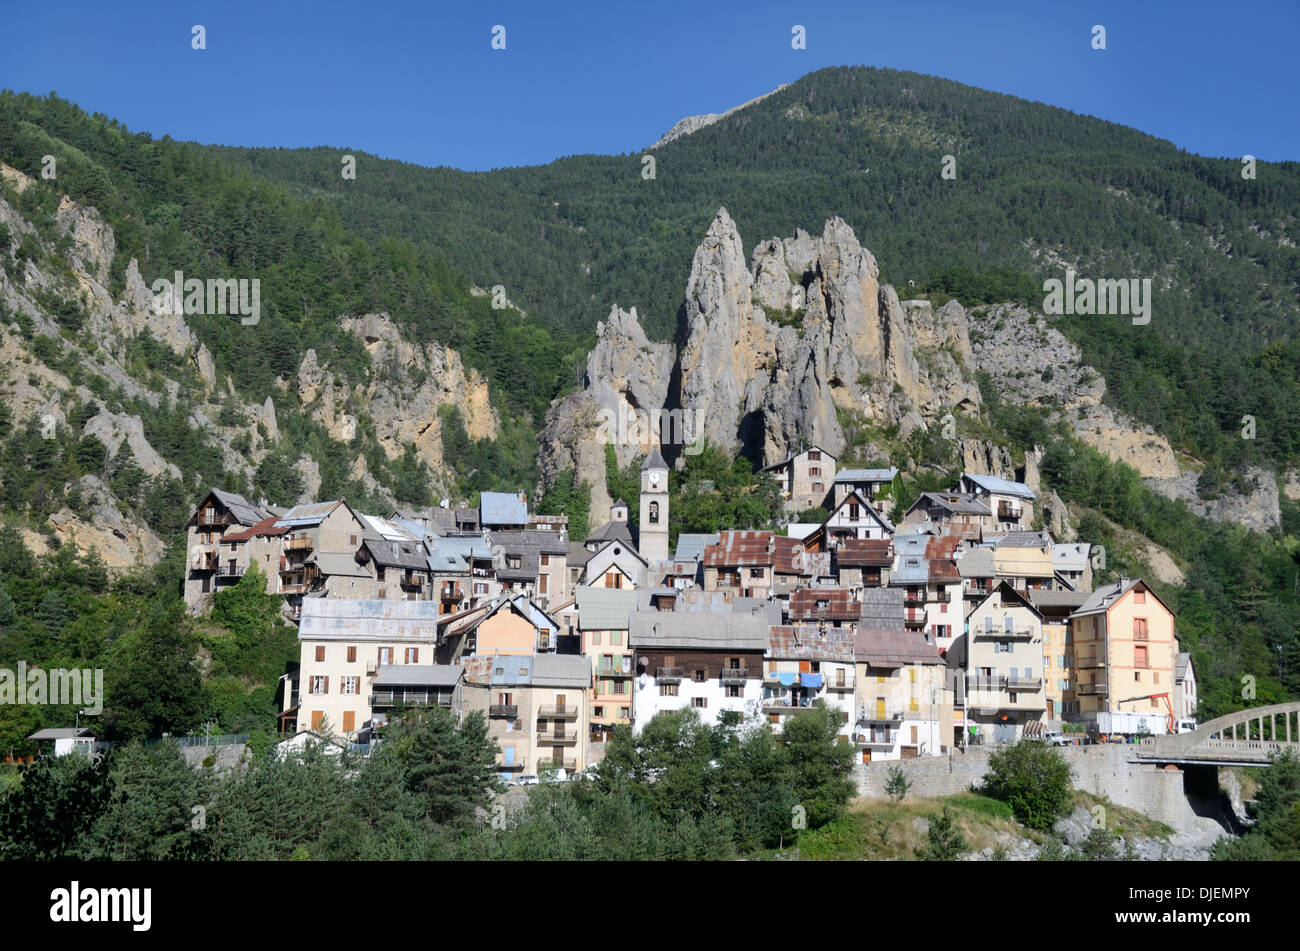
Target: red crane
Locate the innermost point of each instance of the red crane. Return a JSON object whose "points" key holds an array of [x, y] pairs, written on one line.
{"points": [[1169, 717]]}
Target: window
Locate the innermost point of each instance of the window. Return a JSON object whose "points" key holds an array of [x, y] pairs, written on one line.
{"points": [[352, 655], [757, 573], [412, 655], [595, 637], [654, 513], [620, 687], [597, 711], [814, 455], [1155, 676], [351, 685], [1139, 597], [383, 593], [513, 561], [853, 511], [733, 690], [699, 702], [320, 654], [814, 470], [699, 676], [480, 587], [625, 713], [379, 574], [385, 655], [668, 690], [541, 583], [352, 540], [616, 637], [317, 719], [320, 685], [1140, 657], [546, 560], [817, 487], [1139, 629]]}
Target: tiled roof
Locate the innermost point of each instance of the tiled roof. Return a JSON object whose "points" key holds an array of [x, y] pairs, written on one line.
{"points": [[740, 548], [839, 604], [878, 648], [855, 552], [808, 642]]}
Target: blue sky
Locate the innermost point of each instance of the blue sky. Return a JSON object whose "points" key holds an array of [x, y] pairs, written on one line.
{"points": [[419, 81]]}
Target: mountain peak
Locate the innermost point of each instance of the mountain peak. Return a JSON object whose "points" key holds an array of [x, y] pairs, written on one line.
{"points": [[696, 123]]}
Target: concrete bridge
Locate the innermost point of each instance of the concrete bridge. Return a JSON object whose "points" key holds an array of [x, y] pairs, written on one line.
{"points": [[1244, 738]]}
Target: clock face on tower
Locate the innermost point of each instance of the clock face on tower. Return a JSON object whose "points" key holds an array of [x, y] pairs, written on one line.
{"points": [[654, 478]]}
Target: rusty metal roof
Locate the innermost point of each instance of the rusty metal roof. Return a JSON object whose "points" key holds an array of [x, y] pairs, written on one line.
{"points": [[740, 548], [856, 552], [878, 648], [808, 642], [807, 604]]}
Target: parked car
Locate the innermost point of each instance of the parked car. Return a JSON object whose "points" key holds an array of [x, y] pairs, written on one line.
{"points": [[528, 780], [1052, 738]]}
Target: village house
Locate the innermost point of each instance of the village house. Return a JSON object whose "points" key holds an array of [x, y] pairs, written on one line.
{"points": [[343, 643], [535, 706], [503, 511], [1185, 694], [741, 563], [1073, 564], [1056, 606], [1125, 649], [410, 686], [827, 607], [513, 625], [603, 622], [1025, 560], [616, 564], [874, 485], [931, 585], [1001, 656], [809, 664], [709, 661], [1012, 503], [948, 513], [207, 566], [805, 478], [461, 572], [310, 531], [853, 517], [904, 706], [863, 563]]}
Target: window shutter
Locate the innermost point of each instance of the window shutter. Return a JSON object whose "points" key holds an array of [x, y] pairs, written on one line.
{"points": [[327, 685]]}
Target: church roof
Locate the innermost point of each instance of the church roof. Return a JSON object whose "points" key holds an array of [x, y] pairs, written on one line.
{"points": [[654, 461]]}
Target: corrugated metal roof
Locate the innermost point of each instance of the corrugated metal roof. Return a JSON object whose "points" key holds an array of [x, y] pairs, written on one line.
{"points": [[866, 475], [266, 527], [691, 545], [312, 513], [418, 675], [944, 571], [857, 552], [369, 619], [977, 563], [831, 604], [788, 556], [604, 609], [738, 548], [1000, 486], [691, 630], [809, 642], [502, 508]]}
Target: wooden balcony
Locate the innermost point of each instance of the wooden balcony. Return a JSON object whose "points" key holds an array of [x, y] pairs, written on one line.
{"points": [[669, 675], [568, 765], [205, 560], [602, 671], [231, 571], [1002, 634], [508, 711], [298, 543], [735, 675], [412, 583], [451, 592], [516, 767], [293, 589], [1024, 683], [410, 696], [211, 518], [1092, 690], [837, 683], [557, 713]]}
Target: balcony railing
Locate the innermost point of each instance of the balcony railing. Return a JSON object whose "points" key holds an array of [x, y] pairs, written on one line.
{"points": [[1002, 634], [231, 571], [517, 766], [557, 739], [211, 518], [568, 765], [1092, 690], [1024, 683], [835, 683], [293, 589], [873, 714], [557, 713], [412, 582], [668, 675], [451, 592], [736, 675], [392, 698], [603, 671], [1091, 663], [298, 543], [204, 561], [510, 711]]}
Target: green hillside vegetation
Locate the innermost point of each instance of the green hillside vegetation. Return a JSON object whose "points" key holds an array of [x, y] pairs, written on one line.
{"points": [[1034, 184]]}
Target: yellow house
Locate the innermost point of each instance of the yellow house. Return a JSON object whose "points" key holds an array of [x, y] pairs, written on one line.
{"points": [[515, 626], [1125, 649]]}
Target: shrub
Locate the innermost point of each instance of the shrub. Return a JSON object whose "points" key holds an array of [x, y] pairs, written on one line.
{"points": [[1034, 780]]}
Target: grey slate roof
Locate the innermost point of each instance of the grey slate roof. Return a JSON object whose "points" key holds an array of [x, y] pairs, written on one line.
{"points": [[1057, 599], [1105, 596], [1023, 540], [691, 630], [977, 562], [1073, 557], [911, 566], [877, 648], [958, 503], [502, 508], [561, 670], [604, 609], [418, 675], [882, 608], [242, 510], [396, 554], [369, 619], [611, 531], [654, 460], [339, 564]]}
